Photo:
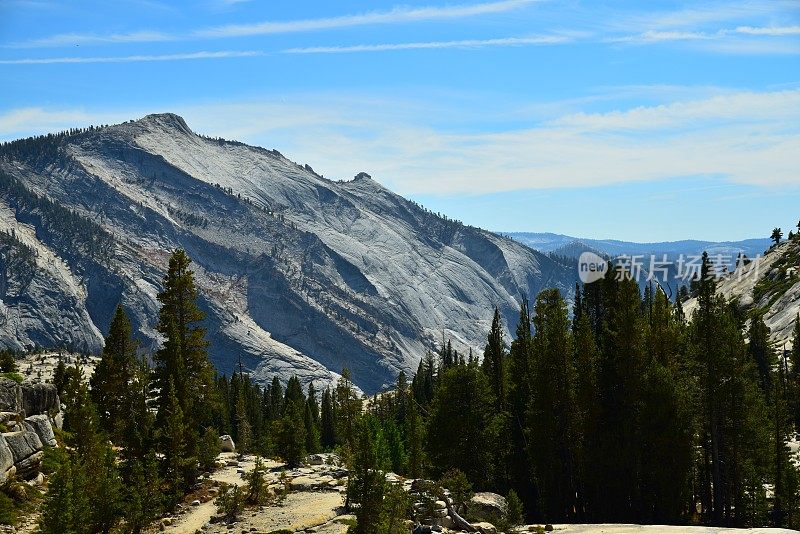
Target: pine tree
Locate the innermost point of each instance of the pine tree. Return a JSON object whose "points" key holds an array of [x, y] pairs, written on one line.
{"points": [[464, 406], [60, 376], [415, 437], [424, 382], [104, 490], [762, 353], [311, 426], [173, 442], [66, 508], [619, 374], [786, 502], [734, 429], [494, 364], [294, 399], [520, 393], [135, 427], [143, 496], [777, 235], [588, 417], [402, 399], [551, 413], [794, 372], [327, 421], [397, 449], [366, 485], [290, 436], [348, 408], [276, 398], [666, 419], [244, 435], [80, 418], [183, 360], [112, 378]]}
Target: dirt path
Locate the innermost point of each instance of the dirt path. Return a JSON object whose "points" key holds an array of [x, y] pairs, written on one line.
{"points": [[300, 510]]}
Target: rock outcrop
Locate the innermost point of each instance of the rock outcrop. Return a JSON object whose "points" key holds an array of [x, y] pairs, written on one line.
{"points": [[487, 506], [26, 449], [24, 438], [7, 468], [28, 398], [226, 444], [39, 398], [41, 425], [10, 396], [769, 286]]}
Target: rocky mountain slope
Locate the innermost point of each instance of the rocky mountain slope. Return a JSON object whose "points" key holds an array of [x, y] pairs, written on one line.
{"points": [[768, 285], [298, 274]]}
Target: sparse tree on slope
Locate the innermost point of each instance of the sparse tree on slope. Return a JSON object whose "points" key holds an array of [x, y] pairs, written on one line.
{"points": [[777, 235]]}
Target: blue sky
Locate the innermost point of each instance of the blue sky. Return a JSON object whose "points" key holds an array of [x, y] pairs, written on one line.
{"points": [[607, 119]]}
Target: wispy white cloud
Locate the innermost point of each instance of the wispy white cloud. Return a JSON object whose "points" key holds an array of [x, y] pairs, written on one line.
{"points": [[133, 59], [69, 39], [703, 15], [466, 43], [398, 15], [743, 39], [655, 36], [772, 30]]}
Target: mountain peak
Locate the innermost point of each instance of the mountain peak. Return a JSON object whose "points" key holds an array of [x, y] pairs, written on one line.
{"points": [[165, 121]]}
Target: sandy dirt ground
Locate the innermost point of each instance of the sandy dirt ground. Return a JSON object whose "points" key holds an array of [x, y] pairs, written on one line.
{"points": [[318, 510]]}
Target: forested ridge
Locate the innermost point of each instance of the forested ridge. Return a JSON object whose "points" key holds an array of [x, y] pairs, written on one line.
{"points": [[622, 411]]}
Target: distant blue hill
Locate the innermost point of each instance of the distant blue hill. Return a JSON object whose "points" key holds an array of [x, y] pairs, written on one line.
{"points": [[570, 246]]}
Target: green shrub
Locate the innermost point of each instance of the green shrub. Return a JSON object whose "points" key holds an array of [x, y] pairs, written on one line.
{"points": [[230, 502], [460, 488], [514, 513], [53, 458], [16, 377], [256, 484], [8, 363], [8, 510], [208, 450]]}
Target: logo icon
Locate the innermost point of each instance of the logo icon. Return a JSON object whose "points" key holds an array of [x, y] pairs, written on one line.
{"points": [[591, 267]]}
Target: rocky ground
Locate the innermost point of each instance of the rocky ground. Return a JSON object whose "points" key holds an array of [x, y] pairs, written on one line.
{"points": [[314, 502], [39, 367]]}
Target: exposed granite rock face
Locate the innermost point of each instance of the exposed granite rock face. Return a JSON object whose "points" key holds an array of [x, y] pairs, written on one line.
{"points": [[488, 506], [770, 284], [226, 444], [44, 429], [7, 468], [26, 449], [39, 398], [21, 447], [10, 396]]}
